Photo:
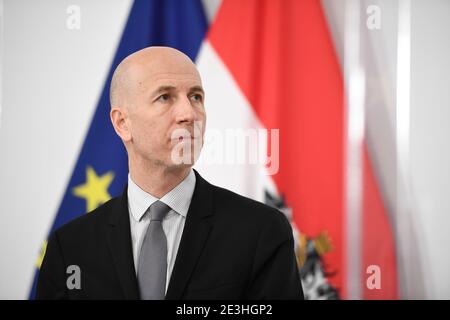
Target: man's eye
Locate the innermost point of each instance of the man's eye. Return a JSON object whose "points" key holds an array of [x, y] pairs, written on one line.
{"points": [[164, 97], [197, 97]]}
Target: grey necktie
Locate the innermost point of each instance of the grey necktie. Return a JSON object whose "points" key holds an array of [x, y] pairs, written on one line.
{"points": [[153, 257]]}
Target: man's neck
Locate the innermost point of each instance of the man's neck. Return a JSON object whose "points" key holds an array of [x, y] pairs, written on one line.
{"points": [[158, 180]]}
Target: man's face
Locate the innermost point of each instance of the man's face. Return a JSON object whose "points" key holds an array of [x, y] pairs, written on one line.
{"points": [[166, 107]]}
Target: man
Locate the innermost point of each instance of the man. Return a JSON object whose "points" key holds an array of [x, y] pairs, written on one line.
{"points": [[171, 235]]}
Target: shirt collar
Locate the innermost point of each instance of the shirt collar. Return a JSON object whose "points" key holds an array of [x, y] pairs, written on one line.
{"points": [[178, 199]]}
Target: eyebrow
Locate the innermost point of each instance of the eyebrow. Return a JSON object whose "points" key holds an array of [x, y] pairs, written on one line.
{"points": [[163, 89], [197, 89]]}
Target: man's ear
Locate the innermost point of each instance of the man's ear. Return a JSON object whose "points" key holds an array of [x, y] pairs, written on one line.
{"points": [[120, 122]]}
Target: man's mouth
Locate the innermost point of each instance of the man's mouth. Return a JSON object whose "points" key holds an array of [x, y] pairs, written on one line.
{"points": [[185, 135], [184, 138]]}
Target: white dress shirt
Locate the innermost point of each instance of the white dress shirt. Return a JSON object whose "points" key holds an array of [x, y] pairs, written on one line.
{"points": [[178, 199]]}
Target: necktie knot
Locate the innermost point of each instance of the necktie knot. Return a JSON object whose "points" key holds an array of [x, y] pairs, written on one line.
{"points": [[158, 210]]}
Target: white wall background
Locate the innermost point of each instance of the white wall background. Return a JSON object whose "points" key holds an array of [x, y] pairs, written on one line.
{"points": [[430, 134], [52, 77]]}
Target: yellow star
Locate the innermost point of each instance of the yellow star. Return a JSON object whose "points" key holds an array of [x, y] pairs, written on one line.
{"points": [[41, 255], [95, 190]]}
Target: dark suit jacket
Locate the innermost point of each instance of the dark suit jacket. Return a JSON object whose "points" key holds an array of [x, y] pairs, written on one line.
{"points": [[232, 248]]}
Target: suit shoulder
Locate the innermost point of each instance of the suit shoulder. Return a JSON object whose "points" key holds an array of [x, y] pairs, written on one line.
{"points": [[245, 208], [87, 222]]}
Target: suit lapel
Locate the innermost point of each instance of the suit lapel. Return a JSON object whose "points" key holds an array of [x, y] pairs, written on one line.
{"points": [[119, 241], [193, 240]]}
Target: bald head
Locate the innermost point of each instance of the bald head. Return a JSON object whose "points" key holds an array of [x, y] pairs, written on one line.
{"points": [[142, 66]]}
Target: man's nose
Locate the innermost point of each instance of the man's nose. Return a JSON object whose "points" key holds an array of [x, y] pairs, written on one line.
{"points": [[185, 111]]}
